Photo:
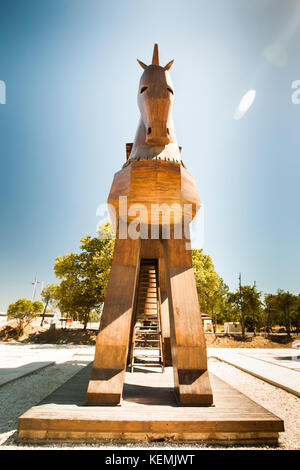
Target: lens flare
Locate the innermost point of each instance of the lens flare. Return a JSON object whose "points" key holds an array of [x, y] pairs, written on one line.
{"points": [[245, 103]]}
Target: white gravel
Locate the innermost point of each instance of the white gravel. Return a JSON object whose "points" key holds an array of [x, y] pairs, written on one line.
{"points": [[18, 396], [283, 404]]}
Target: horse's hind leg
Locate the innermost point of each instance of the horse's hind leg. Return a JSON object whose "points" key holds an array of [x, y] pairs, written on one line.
{"points": [[188, 346], [107, 379]]}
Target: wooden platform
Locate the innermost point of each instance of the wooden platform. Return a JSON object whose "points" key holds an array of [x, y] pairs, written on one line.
{"points": [[149, 411]]}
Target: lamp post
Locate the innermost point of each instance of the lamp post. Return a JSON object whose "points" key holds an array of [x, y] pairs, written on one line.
{"points": [[241, 306]]}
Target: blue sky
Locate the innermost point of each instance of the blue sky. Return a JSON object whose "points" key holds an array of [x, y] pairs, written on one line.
{"points": [[71, 83]]}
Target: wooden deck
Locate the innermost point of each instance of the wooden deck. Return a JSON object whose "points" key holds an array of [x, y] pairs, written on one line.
{"points": [[149, 411]]}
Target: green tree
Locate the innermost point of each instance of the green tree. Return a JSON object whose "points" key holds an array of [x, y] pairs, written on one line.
{"points": [[252, 307], [246, 304], [270, 313], [232, 311], [207, 280], [286, 306], [49, 295], [295, 319], [84, 275], [217, 304], [23, 311]]}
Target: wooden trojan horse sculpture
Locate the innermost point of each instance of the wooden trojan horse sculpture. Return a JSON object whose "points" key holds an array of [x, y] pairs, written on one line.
{"points": [[154, 183]]}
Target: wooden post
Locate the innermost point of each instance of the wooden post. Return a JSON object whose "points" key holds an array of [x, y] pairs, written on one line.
{"points": [[187, 338], [164, 308], [107, 378]]}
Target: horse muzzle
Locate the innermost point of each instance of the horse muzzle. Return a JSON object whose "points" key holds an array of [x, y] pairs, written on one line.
{"points": [[157, 133]]}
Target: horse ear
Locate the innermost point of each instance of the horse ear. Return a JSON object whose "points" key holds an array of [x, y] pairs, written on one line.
{"points": [[169, 65], [144, 66]]}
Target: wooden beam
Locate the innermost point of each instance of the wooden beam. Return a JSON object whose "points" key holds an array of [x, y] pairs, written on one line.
{"points": [[107, 378], [188, 346], [165, 311]]}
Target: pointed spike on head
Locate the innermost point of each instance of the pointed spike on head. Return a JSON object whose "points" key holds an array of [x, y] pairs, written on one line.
{"points": [[144, 66], [169, 65], [155, 58]]}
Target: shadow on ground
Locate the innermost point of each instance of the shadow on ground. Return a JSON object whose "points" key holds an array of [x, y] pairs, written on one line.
{"points": [[63, 336]]}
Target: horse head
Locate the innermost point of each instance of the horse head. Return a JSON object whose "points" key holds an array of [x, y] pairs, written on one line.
{"points": [[155, 100], [155, 136]]}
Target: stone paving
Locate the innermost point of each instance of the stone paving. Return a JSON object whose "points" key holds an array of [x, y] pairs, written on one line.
{"points": [[280, 367], [18, 360], [29, 390]]}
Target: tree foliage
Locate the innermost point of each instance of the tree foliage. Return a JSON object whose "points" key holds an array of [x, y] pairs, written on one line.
{"points": [[245, 306], [23, 311], [209, 285], [282, 308], [49, 295], [84, 276], [217, 304]]}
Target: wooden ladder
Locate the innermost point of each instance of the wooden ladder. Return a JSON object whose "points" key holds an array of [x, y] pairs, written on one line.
{"points": [[147, 338]]}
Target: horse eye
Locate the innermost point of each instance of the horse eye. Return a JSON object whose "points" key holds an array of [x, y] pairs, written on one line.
{"points": [[144, 88], [170, 90]]}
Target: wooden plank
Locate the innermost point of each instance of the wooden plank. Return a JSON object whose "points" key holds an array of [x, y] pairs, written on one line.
{"points": [[251, 439], [106, 382], [148, 410], [164, 308], [188, 345]]}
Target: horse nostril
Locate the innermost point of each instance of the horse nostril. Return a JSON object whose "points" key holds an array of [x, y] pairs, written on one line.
{"points": [[149, 130], [168, 132]]}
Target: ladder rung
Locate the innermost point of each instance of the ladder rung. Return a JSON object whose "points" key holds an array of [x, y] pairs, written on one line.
{"points": [[148, 303], [148, 331], [143, 308], [147, 321], [148, 282], [149, 328], [144, 318], [153, 327], [147, 340], [147, 317], [140, 356], [146, 314], [146, 365]]}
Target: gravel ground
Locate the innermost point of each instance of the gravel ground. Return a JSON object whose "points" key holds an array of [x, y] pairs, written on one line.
{"points": [[20, 395], [283, 404]]}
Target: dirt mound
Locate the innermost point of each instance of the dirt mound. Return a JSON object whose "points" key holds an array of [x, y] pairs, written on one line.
{"points": [[44, 335], [271, 341], [9, 331], [63, 336]]}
